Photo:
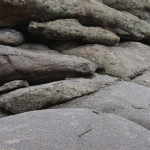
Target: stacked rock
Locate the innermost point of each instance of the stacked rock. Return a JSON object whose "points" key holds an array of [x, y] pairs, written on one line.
{"points": [[72, 69]]}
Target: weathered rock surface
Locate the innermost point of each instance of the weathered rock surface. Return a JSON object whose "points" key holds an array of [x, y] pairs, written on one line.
{"points": [[41, 96], [143, 79], [125, 99], [11, 37], [70, 29], [71, 129], [64, 45], [140, 8], [126, 60], [13, 85], [35, 67], [91, 12]]}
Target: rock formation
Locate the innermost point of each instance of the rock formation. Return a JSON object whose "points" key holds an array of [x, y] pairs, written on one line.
{"points": [[74, 75]]}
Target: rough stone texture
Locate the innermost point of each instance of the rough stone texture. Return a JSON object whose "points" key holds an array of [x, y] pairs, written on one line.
{"points": [[41, 96], [91, 12], [142, 26], [71, 129], [64, 45], [11, 37], [140, 8], [70, 29], [36, 68], [125, 99], [13, 85], [126, 60], [143, 79]]}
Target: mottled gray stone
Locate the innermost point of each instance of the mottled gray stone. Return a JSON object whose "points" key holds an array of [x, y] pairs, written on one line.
{"points": [[126, 99], [4, 113], [71, 129], [40, 67], [126, 60], [88, 12], [11, 37], [45, 95], [71, 29], [13, 85]]}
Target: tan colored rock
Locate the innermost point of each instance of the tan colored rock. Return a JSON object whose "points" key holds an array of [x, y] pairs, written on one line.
{"points": [[70, 29], [11, 37], [36, 68], [45, 95], [91, 12], [125, 61]]}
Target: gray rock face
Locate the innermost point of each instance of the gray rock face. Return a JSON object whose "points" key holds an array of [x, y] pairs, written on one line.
{"points": [[41, 96], [126, 60], [35, 67], [125, 99], [7, 87], [70, 29], [11, 37], [143, 79], [64, 45], [140, 8], [91, 12], [71, 129]]}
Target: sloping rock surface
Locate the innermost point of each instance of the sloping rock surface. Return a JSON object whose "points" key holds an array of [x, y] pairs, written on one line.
{"points": [[125, 99], [70, 29], [125, 60], [35, 67], [41, 96], [71, 129]]}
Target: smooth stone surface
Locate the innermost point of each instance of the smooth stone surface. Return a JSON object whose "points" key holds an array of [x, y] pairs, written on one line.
{"points": [[11, 37], [71, 129], [45, 95], [71, 29], [140, 8], [143, 79], [125, 99], [13, 85], [88, 12], [126, 60], [40, 67]]}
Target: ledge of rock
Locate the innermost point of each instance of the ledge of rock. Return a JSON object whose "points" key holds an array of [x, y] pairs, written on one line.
{"points": [[70, 29], [35, 67], [71, 129], [41, 96], [13, 85], [91, 12], [125, 61]]}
